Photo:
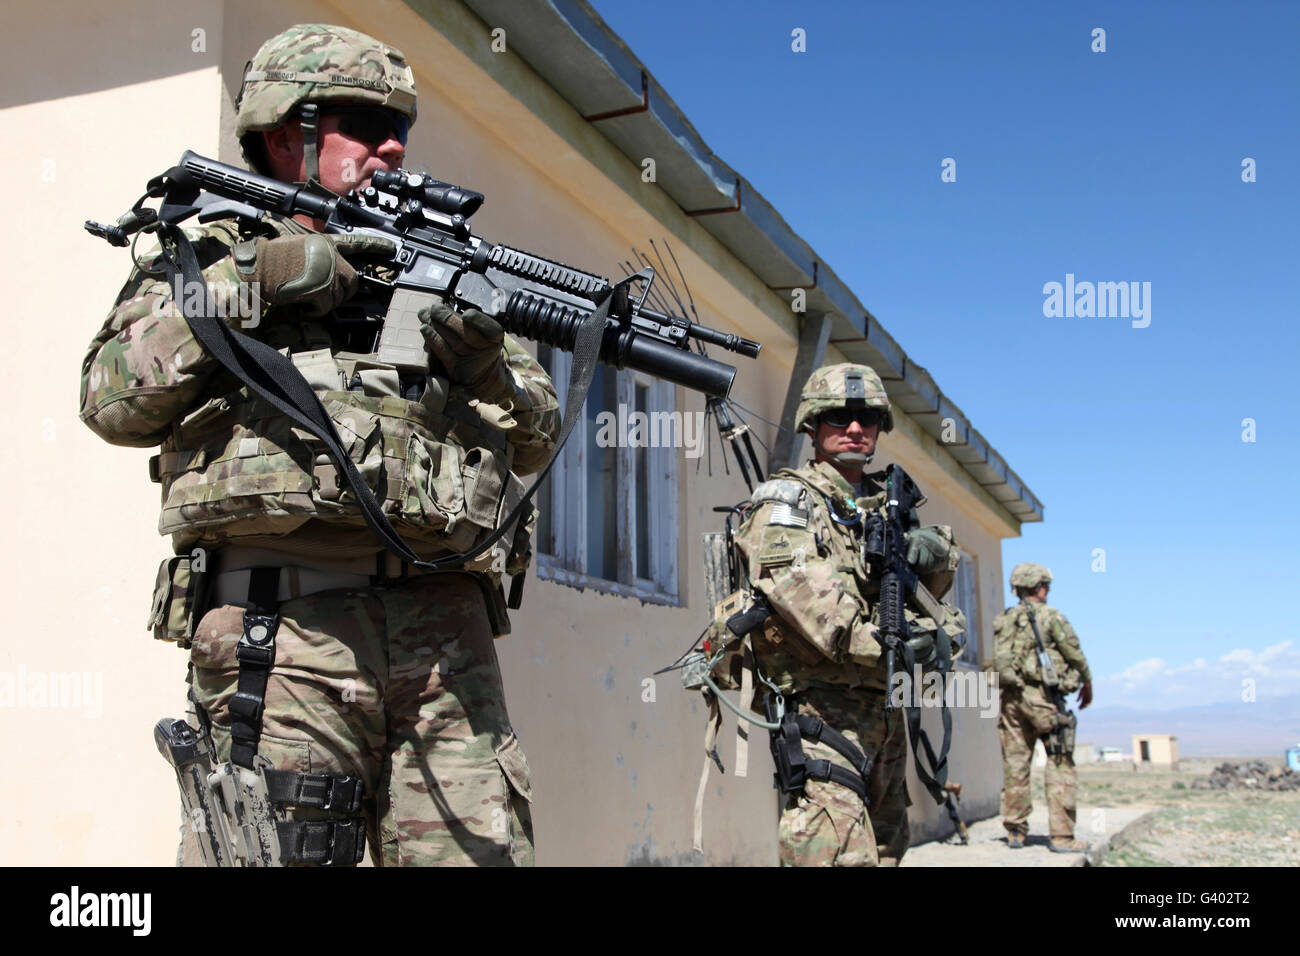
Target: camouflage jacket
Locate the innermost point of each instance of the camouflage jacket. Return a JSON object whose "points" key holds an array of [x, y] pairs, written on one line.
{"points": [[1015, 653], [811, 569], [232, 467]]}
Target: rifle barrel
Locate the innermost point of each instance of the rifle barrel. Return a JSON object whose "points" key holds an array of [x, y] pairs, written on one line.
{"points": [[727, 340]]}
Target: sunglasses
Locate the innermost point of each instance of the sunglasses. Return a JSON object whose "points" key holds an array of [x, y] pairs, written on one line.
{"points": [[844, 417], [373, 125]]}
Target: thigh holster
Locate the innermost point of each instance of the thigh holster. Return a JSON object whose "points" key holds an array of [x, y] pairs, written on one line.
{"points": [[242, 804], [793, 768]]}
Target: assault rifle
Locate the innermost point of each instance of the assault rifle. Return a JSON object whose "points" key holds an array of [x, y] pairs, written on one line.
{"points": [[1061, 739], [884, 546], [437, 259]]}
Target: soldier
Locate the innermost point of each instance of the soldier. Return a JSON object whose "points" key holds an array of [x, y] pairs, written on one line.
{"points": [[802, 547], [383, 701], [1029, 712]]}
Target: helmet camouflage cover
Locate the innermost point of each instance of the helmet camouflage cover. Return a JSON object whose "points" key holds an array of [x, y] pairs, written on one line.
{"points": [[1029, 575], [319, 63], [842, 386]]}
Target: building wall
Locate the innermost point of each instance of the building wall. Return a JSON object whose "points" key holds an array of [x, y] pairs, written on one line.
{"points": [[1162, 749], [615, 761], [83, 784]]}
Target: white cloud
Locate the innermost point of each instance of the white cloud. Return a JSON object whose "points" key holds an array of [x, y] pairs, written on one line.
{"points": [[1155, 682], [1138, 675], [1278, 660]]}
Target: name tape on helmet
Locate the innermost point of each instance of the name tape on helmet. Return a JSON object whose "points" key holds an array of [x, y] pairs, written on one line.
{"points": [[298, 76]]}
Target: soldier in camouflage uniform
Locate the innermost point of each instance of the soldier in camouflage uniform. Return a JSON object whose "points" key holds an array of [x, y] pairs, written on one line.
{"points": [[380, 673], [1027, 712], [802, 547]]}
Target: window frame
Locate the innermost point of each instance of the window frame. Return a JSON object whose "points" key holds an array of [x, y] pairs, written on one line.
{"points": [[972, 655], [563, 558]]}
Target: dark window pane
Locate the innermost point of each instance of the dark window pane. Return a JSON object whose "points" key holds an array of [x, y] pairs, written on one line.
{"points": [[641, 462], [602, 501], [545, 526]]}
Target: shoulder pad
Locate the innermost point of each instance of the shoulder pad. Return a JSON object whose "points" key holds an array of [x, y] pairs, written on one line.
{"points": [[781, 489]]}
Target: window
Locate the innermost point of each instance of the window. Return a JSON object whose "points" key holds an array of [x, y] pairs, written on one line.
{"points": [[609, 508], [965, 591]]}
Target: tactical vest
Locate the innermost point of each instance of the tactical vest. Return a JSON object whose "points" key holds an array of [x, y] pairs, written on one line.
{"points": [[818, 518], [236, 469]]}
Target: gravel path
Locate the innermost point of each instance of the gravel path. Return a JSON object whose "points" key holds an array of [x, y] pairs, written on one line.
{"points": [[1168, 823]]}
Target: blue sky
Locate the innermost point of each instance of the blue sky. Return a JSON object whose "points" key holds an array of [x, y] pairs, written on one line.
{"points": [[1117, 166]]}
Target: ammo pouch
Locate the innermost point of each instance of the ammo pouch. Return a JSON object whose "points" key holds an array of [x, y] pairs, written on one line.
{"points": [[794, 769], [179, 597], [1061, 740]]}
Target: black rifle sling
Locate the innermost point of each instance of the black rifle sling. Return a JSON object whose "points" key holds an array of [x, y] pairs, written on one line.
{"points": [[276, 379], [1058, 698], [933, 782], [1033, 625], [934, 779]]}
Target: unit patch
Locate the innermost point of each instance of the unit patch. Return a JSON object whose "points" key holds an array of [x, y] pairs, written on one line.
{"points": [[781, 545]]}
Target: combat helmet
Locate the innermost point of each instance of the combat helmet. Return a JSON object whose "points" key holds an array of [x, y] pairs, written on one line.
{"points": [[842, 386], [315, 64], [1028, 576]]}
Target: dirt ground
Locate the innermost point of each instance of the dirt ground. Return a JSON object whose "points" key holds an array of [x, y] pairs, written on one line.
{"points": [[1192, 827]]}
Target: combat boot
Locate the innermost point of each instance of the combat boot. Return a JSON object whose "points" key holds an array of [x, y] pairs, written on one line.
{"points": [[1015, 841], [1067, 845]]}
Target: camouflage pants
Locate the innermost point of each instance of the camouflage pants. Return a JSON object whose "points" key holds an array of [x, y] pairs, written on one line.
{"points": [[399, 686], [1027, 716], [826, 825]]}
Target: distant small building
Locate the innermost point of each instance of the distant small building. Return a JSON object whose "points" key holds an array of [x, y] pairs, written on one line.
{"points": [[1155, 750], [1111, 755]]}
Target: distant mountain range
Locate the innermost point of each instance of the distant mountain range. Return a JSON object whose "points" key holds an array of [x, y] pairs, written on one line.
{"points": [[1266, 726]]}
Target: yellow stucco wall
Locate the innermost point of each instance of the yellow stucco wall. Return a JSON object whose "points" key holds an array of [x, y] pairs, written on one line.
{"points": [[614, 774]]}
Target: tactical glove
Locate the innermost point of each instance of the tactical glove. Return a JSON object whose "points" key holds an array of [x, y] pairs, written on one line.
{"points": [[922, 645], [926, 550], [307, 270], [1085, 694], [469, 346]]}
